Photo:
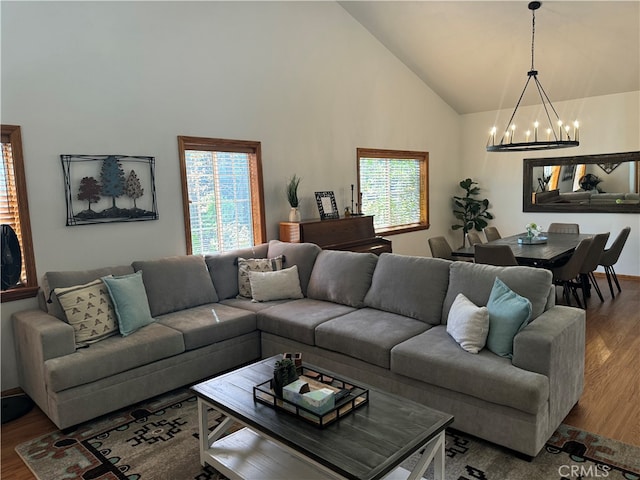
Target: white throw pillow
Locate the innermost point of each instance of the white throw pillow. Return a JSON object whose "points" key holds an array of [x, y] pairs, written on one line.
{"points": [[276, 285], [468, 324]]}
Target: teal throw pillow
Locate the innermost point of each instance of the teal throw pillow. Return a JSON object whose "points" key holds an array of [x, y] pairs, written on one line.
{"points": [[129, 301], [508, 313]]}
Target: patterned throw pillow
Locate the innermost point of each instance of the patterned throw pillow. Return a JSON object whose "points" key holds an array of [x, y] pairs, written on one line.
{"points": [[89, 310], [246, 265]]}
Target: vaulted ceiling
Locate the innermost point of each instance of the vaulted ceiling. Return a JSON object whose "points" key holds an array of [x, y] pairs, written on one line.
{"points": [[476, 54]]}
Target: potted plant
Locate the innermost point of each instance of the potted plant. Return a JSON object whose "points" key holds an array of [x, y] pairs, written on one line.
{"points": [[471, 212], [292, 197], [284, 372]]}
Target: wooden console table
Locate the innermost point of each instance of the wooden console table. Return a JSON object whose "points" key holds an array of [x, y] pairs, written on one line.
{"points": [[355, 233]]}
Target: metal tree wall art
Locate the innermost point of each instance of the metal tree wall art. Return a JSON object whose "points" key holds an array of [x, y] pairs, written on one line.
{"points": [[109, 188]]}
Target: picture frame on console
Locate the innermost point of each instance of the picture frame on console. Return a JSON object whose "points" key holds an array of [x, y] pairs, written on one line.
{"points": [[327, 205]]}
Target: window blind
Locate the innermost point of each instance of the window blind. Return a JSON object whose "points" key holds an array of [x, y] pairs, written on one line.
{"points": [[9, 213]]}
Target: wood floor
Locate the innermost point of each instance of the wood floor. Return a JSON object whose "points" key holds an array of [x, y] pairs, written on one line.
{"points": [[609, 406]]}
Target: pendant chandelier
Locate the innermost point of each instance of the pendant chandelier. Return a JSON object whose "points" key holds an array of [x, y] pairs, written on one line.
{"points": [[556, 135]]}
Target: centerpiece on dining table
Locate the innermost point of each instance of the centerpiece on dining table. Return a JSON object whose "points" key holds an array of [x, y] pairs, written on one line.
{"points": [[533, 236]]}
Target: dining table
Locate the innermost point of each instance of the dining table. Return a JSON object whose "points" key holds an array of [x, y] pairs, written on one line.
{"points": [[547, 251]]}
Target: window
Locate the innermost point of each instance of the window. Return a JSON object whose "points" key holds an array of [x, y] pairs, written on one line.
{"points": [[393, 186], [14, 211], [222, 194]]}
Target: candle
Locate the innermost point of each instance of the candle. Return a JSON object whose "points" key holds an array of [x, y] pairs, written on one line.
{"points": [[548, 134], [576, 125], [566, 129], [527, 134], [513, 132], [535, 131], [560, 128], [506, 136], [492, 136]]}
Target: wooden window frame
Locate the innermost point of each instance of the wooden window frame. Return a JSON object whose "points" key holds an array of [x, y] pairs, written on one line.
{"points": [[12, 134], [423, 158], [254, 149]]}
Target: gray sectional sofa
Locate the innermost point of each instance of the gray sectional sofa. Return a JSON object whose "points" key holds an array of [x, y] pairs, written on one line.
{"points": [[380, 320]]}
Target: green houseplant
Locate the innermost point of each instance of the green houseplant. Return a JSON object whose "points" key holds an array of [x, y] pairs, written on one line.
{"points": [[284, 372], [471, 212], [292, 197]]}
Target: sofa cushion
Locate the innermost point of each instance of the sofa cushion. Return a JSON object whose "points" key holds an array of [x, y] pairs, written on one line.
{"points": [[435, 358], [468, 324], [303, 255], [508, 314], [249, 304], [209, 324], [248, 265], [223, 268], [410, 286], [298, 319], [475, 281], [176, 283], [88, 308], [111, 356], [367, 334], [278, 285], [61, 279], [342, 277], [129, 302]]}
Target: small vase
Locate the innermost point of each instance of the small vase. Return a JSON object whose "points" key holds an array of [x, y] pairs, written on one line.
{"points": [[294, 214]]}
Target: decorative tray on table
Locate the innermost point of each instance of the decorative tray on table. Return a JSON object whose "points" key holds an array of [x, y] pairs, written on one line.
{"points": [[347, 397], [532, 240]]}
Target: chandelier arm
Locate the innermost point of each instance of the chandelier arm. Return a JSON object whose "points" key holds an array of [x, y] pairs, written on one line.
{"points": [[516, 109], [544, 95]]}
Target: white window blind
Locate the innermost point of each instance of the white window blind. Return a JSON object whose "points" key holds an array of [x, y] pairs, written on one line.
{"points": [[9, 213]]}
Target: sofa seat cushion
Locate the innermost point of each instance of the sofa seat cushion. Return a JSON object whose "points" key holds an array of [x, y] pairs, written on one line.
{"points": [[176, 283], [342, 277], [111, 356], [410, 286], [298, 319], [368, 334], [249, 304], [200, 326], [476, 280], [435, 358]]}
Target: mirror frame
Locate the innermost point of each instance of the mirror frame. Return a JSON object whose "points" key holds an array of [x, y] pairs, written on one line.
{"points": [[606, 158]]}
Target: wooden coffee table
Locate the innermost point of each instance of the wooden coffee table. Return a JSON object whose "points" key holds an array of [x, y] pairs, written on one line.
{"points": [[368, 443]]}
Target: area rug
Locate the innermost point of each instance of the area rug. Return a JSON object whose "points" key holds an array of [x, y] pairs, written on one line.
{"points": [[158, 440]]}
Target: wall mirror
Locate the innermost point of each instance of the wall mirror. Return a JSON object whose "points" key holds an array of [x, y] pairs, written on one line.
{"points": [[586, 183]]}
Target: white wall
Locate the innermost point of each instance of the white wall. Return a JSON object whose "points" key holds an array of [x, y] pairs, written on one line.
{"points": [[304, 78], [608, 124]]}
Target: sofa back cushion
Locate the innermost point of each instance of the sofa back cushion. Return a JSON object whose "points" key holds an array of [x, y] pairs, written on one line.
{"points": [[476, 280], [342, 277], [223, 268], [411, 286], [176, 283], [63, 279], [303, 255]]}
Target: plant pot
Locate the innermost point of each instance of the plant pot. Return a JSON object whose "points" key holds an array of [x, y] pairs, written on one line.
{"points": [[294, 214]]}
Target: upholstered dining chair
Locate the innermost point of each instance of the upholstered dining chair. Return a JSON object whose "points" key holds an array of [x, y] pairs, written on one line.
{"points": [[473, 238], [610, 257], [500, 255], [567, 275], [590, 263], [440, 248], [563, 228], [492, 234]]}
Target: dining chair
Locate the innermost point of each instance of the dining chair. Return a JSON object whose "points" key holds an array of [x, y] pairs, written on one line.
{"points": [[500, 255], [566, 275], [563, 228], [610, 257], [473, 238], [440, 248], [492, 234], [590, 263]]}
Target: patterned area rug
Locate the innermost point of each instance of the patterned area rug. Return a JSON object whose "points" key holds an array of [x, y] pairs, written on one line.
{"points": [[158, 440]]}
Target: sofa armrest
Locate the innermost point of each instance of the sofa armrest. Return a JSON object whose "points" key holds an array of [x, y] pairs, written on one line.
{"points": [[38, 337], [554, 345]]}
